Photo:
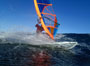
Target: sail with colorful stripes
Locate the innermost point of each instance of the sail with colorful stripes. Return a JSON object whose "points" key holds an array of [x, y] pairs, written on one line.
{"points": [[47, 17]]}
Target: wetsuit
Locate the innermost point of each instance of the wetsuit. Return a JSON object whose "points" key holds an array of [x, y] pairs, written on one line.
{"points": [[39, 28]]}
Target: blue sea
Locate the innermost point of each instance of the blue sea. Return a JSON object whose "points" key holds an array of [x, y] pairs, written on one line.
{"points": [[25, 49]]}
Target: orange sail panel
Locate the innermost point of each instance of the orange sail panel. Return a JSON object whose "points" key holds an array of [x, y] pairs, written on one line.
{"points": [[47, 17]]}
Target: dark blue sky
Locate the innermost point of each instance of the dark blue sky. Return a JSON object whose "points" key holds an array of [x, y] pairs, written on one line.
{"points": [[73, 15]]}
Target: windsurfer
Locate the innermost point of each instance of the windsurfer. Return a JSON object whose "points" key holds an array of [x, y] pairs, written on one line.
{"points": [[39, 27]]}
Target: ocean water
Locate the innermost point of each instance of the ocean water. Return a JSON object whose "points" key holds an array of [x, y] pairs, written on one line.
{"points": [[26, 49]]}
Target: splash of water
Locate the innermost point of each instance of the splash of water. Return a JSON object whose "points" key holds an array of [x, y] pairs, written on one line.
{"points": [[25, 37], [35, 39]]}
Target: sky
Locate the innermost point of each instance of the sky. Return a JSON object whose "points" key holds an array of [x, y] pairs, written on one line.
{"points": [[73, 15]]}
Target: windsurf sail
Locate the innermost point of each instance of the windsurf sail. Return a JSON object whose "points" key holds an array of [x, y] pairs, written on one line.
{"points": [[47, 17]]}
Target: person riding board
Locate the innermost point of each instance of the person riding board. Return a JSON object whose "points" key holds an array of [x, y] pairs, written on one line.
{"points": [[39, 26]]}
